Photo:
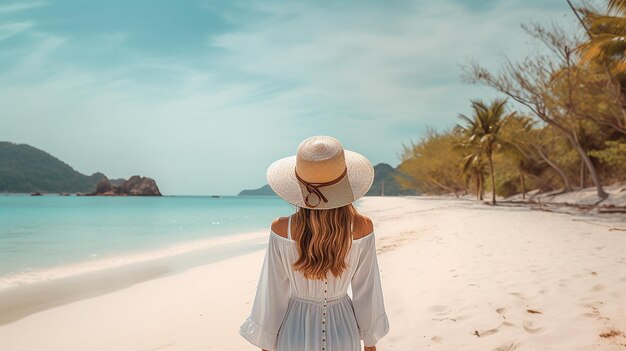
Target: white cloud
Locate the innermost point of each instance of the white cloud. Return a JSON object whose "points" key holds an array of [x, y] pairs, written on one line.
{"points": [[371, 62], [10, 29], [20, 6]]}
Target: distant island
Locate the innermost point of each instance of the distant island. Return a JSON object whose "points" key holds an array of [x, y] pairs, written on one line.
{"points": [[385, 184], [264, 190], [26, 169]]}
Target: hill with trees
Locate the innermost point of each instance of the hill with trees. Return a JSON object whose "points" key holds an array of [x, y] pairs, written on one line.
{"points": [[25, 169]]}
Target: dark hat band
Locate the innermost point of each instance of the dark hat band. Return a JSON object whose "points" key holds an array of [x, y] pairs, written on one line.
{"points": [[313, 188]]}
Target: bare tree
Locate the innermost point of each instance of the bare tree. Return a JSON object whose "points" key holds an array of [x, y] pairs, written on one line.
{"points": [[545, 84]]}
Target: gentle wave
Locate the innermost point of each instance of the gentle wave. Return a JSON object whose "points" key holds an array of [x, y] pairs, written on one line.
{"points": [[47, 274]]}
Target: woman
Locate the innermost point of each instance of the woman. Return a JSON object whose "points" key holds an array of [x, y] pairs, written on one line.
{"points": [[314, 255]]}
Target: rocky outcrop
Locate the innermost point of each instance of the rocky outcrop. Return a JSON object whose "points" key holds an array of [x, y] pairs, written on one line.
{"points": [[139, 186], [135, 186], [117, 182], [103, 186]]}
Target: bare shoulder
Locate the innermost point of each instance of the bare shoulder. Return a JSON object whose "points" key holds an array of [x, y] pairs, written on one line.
{"points": [[279, 226], [363, 226]]}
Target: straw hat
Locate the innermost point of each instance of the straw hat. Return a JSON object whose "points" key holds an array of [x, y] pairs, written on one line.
{"points": [[322, 175]]}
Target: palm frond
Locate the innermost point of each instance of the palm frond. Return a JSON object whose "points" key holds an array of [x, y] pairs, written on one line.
{"points": [[617, 5], [602, 24], [470, 122]]}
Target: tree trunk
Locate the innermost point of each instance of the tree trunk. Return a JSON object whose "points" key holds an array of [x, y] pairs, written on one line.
{"points": [[521, 178], [477, 187], [482, 187], [590, 167], [592, 170], [582, 174], [493, 181], [566, 184]]}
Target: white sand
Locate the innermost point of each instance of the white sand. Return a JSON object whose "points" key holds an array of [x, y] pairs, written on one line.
{"points": [[456, 276], [586, 196]]}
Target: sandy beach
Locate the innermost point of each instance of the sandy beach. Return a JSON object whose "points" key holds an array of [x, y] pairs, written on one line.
{"points": [[457, 275]]}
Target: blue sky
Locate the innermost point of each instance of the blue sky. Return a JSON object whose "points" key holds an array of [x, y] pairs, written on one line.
{"points": [[204, 95]]}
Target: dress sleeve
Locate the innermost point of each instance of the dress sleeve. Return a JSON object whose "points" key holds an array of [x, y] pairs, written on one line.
{"points": [[367, 295], [270, 303]]}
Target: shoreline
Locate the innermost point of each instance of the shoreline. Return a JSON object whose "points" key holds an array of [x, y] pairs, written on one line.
{"points": [[456, 275], [73, 269], [17, 302]]}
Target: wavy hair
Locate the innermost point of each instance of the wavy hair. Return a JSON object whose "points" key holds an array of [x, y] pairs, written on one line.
{"points": [[323, 239]]}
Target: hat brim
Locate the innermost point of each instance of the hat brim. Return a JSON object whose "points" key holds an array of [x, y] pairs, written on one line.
{"points": [[281, 177]]}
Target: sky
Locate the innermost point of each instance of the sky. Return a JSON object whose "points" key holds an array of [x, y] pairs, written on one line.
{"points": [[203, 96]]}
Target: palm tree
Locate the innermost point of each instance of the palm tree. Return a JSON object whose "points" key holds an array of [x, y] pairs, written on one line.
{"points": [[607, 35], [474, 168], [483, 129], [473, 165]]}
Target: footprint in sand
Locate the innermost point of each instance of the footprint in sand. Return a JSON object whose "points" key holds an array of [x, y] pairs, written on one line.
{"points": [[489, 332], [437, 339], [501, 311], [459, 318], [439, 309], [595, 310], [519, 295], [597, 287], [507, 347], [531, 329]]}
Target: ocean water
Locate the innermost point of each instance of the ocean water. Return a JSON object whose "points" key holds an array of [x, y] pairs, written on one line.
{"points": [[48, 237]]}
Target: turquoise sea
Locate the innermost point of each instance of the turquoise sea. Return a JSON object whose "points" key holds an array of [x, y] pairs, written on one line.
{"points": [[47, 237]]}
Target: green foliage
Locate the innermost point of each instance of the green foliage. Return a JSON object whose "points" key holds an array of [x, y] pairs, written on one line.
{"points": [[432, 165], [25, 169], [508, 176], [613, 156]]}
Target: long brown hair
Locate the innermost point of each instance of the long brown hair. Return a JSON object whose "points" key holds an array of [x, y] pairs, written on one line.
{"points": [[323, 239]]}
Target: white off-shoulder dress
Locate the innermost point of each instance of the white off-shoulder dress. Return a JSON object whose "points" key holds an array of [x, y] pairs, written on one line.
{"points": [[293, 313]]}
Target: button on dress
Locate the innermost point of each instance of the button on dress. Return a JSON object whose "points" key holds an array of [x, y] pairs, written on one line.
{"points": [[293, 313]]}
